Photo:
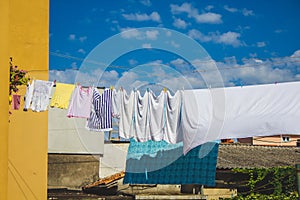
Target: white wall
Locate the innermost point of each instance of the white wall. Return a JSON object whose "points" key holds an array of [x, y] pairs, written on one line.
{"points": [[68, 135], [114, 159]]}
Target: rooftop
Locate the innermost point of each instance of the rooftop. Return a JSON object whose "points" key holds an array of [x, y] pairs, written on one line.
{"points": [[250, 156]]}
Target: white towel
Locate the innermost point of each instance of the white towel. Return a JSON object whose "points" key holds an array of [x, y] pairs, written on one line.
{"points": [[172, 127], [116, 102], [126, 115], [141, 117], [157, 115]]}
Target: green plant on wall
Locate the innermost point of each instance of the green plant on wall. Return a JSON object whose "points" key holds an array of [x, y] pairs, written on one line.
{"points": [[281, 180], [16, 79]]}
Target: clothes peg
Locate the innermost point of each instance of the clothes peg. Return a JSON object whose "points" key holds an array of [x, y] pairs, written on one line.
{"points": [[165, 90], [112, 87]]}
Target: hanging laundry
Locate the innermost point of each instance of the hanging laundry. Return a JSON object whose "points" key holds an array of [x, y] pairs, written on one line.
{"points": [[172, 128], [141, 117], [157, 106], [239, 112], [28, 95], [81, 102], [116, 102], [41, 95], [16, 101], [101, 113], [162, 163], [62, 95], [126, 114]]}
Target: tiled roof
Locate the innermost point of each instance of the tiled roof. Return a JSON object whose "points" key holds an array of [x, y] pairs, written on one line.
{"points": [[249, 156]]}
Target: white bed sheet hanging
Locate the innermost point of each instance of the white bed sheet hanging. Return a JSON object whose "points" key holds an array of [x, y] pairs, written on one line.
{"points": [[237, 112]]}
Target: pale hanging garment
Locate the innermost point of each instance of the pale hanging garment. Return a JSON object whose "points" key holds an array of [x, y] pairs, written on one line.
{"points": [[116, 102], [238, 112], [141, 117], [81, 102], [28, 95], [126, 114], [62, 95], [156, 115], [41, 95], [172, 127]]}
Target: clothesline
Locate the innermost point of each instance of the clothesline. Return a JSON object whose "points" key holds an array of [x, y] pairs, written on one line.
{"points": [[193, 116]]}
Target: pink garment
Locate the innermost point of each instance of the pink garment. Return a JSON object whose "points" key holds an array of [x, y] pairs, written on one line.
{"points": [[16, 100], [81, 101]]}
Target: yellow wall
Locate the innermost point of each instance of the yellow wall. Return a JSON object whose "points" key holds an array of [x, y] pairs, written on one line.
{"points": [[4, 55], [27, 26]]}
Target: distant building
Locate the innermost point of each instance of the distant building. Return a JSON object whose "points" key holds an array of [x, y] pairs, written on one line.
{"points": [[276, 140]]}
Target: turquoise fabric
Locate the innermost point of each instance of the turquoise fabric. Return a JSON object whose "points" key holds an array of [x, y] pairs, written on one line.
{"points": [[162, 163]]}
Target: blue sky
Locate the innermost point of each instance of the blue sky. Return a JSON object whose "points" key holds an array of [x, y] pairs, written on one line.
{"points": [[250, 42]]}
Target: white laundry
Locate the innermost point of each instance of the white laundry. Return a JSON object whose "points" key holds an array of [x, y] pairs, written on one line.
{"points": [[81, 102], [41, 95], [156, 115], [116, 102], [28, 95], [172, 128], [238, 112], [126, 114], [141, 117]]}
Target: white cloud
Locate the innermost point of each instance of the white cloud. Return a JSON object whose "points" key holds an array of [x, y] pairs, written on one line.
{"points": [[152, 35], [72, 37], [81, 51], [132, 62], [209, 7], [129, 33], [296, 54], [228, 38], [250, 71], [229, 9], [177, 62], [184, 8], [260, 44], [155, 62], [154, 16], [168, 33], [209, 17], [279, 31], [83, 38], [247, 12], [90, 78], [146, 46], [146, 2], [197, 35], [244, 11], [74, 65], [179, 23], [174, 44]]}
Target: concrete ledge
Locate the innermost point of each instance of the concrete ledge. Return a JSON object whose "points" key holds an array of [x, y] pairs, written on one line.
{"points": [[72, 171]]}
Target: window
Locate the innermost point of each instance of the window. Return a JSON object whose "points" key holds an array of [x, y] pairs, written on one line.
{"points": [[285, 138]]}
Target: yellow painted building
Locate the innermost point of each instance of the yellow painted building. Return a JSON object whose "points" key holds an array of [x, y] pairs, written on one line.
{"points": [[24, 36]]}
